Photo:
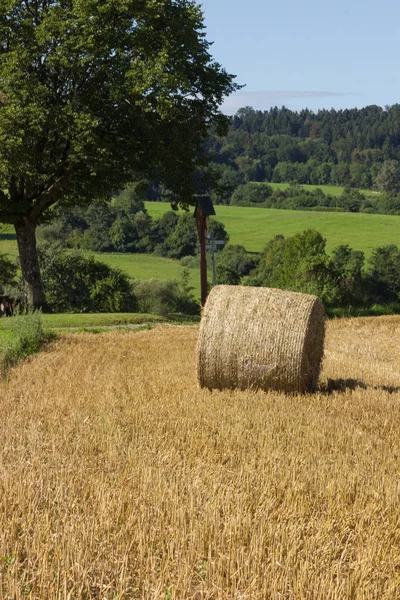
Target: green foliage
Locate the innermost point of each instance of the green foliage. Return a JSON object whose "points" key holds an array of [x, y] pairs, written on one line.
{"points": [[8, 271], [125, 226], [146, 109], [252, 227], [95, 94], [184, 241], [217, 231], [388, 178], [339, 147], [298, 197], [120, 226], [351, 200], [251, 193], [384, 273], [298, 263], [164, 297], [233, 263], [347, 267], [130, 200], [20, 336], [77, 283]]}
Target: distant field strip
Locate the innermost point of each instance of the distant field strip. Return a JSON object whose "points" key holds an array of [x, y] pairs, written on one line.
{"points": [[253, 227], [120, 478], [332, 190]]}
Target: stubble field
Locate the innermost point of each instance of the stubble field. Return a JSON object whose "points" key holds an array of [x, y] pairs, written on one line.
{"points": [[120, 479]]}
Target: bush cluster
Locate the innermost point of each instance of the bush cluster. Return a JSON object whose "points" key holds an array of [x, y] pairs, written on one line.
{"points": [[295, 197], [125, 226], [300, 263], [74, 282], [164, 297]]}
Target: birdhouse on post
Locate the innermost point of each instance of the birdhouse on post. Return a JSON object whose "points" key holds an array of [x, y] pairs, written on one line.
{"points": [[204, 208]]}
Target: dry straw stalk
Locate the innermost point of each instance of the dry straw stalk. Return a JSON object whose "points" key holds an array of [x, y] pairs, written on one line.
{"points": [[121, 479], [261, 338]]}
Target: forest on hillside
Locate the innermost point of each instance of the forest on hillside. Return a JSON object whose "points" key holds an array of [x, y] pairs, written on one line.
{"points": [[356, 147]]}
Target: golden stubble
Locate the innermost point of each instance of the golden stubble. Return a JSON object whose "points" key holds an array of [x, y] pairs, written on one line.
{"points": [[120, 478]]}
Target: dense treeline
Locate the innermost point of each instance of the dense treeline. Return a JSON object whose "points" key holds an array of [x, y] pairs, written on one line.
{"points": [[358, 147], [125, 226], [296, 197]]}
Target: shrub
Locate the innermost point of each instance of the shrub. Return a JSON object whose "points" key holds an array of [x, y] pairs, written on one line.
{"points": [[74, 282], [184, 240], [190, 262], [233, 263], [298, 263], [384, 274], [164, 297], [251, 193]]}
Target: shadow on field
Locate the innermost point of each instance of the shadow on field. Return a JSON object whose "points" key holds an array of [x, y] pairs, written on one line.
{"points": [[343, 385]]}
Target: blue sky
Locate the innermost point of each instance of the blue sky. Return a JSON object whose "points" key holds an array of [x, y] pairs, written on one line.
{"points": [[307, 53]]}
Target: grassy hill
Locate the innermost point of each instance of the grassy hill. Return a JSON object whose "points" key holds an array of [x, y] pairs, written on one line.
{"points": [[253, 227], [138, 266]]}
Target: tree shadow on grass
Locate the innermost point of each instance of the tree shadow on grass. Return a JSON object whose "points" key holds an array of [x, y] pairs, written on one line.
{"points": [[343, 385]]}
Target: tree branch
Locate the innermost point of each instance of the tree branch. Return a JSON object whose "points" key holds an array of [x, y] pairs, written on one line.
{"points": [[49, 196]]}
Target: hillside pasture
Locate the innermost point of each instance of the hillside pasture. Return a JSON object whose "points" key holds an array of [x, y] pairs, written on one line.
{"points": [[149, 266], [120, 478], [329, 190], [137, 266], [253, 227]]}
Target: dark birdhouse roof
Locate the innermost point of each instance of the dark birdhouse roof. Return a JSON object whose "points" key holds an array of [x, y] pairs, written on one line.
{"points": [[205, 204]]}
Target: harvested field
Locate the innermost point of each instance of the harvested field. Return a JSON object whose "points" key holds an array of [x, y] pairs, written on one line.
{"points": [[121, 479]]}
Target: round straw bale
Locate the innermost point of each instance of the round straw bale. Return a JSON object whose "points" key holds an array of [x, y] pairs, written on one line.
{"points": [[260, 338]]}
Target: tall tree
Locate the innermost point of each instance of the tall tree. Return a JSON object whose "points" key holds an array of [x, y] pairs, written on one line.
{"points": [[95, 93], [388, 178]]}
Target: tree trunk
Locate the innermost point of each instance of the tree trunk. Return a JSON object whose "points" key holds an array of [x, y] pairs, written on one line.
{"points": [[33, 287]]}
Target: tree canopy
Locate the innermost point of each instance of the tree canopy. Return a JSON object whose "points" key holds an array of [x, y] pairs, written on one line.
{"points": [[96, 93], [357, 148]]}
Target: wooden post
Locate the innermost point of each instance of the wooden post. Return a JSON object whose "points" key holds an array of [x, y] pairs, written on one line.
{"points": [[204, 208], [203, 259]]}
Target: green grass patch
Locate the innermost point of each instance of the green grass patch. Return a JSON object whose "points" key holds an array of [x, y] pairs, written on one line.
{"points": [[331, 190], [20, 336], [149, 266], [81, 320], [377, 310], [253, 227], [6, 229], [8, 245]]}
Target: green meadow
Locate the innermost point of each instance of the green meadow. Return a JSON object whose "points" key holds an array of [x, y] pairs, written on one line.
{"points": [[137, 266], [331, 190], [148, 266], [253, 227]]}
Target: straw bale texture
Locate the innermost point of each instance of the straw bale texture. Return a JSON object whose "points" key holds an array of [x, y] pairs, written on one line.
{"points": [[260, 338]]}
